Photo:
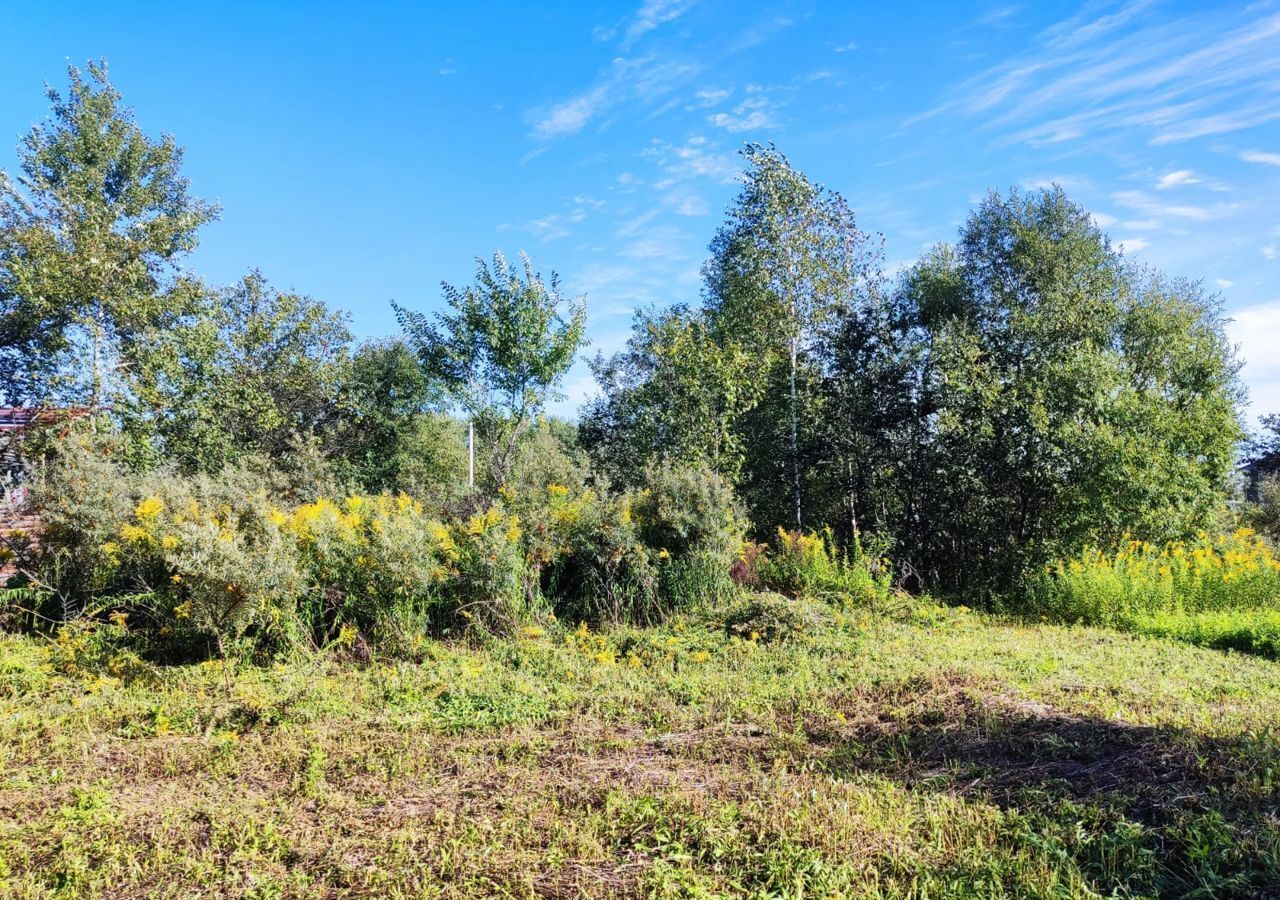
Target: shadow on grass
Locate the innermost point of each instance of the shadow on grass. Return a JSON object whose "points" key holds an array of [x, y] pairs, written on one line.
{"points": [[1205, 810]]}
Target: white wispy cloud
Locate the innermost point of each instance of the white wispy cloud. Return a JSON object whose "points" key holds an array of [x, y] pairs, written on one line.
{"points": [[1113, 69], [646, 80], [695, 158], [754, 113], [1256, 329], [712, 96], [557, 225], [570, 116], [850, 47], [1148, 205], [1266, 159], [1223, 283], [652, 14], [1270, 251], [1133, 244], [1174, 179]]}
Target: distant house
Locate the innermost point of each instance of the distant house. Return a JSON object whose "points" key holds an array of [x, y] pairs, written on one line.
{"points": [[1252, 472], [16, 422]]}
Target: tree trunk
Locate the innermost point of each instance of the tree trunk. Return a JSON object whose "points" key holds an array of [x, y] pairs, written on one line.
{"points": [[95, 392], [795, 434]]}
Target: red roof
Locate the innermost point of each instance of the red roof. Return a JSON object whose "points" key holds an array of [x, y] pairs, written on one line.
{"points": [[16, 418]]}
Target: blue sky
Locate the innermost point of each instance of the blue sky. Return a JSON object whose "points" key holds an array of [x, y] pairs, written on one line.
{"points": [[366, 152]]}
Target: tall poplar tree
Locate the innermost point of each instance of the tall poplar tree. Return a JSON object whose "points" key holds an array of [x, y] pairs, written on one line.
{"points": [[91, 234]]}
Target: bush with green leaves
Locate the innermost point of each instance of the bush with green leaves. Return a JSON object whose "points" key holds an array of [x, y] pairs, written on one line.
{"points": [[1137, 580], [1264, 514], [372, 562], [594, 566], [767, 617], [486, 576], [690, 518], [810, 564]]}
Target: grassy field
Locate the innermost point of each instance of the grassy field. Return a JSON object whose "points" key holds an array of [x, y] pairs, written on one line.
{"points": [[913, 752]]}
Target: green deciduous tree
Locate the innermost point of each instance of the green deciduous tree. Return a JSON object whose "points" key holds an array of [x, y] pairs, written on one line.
{"points": [[392, 434], [500, 351], [787, 260], [1073, 396], [90, 236], [675, 393], [251, 371]]}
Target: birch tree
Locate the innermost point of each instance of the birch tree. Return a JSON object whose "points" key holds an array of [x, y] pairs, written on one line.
{"points": [[787, 259]]}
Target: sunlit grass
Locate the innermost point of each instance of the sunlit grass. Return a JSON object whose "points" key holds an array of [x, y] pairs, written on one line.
{"points": [[909, 750]]}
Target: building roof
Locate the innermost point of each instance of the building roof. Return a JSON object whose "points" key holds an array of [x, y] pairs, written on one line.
{"points": [[17, 418]]}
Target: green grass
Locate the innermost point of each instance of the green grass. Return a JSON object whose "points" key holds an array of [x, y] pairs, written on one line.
{"points": [[929, 752]]}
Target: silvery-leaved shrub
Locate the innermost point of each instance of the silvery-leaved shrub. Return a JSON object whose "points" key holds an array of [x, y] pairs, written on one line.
{"points": [[689, 517], [179, 554]]}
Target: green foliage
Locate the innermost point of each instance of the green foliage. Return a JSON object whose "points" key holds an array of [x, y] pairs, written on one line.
{"points": [[249, 372], [1139, 580], [594, 565], [788, 260], [767, 618], [1264, 513], [176, 552], [675, 392], [1075, 396], [550, 455], [501, 352], [1244, 630], [810, 564], [78, 493], [693, 521], [391, 435], [486, 586], [371, 563], [90, 238]]}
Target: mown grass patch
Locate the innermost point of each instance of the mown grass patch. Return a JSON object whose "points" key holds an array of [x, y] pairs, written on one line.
{"points": [[925, 751]]}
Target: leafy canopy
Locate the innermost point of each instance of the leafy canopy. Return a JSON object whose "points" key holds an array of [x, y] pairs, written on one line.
{"points": [[90, 238], [500, 350]]}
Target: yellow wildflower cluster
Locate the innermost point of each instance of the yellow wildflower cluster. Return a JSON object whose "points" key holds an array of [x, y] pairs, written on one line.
{"points": [[1212, 572], [603, 650]]}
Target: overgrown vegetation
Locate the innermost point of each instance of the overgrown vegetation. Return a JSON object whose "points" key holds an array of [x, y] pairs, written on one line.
{"points": [[309, 616]]}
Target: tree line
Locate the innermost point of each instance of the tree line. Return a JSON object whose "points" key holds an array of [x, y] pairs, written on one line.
{"points": [[1008, 399]]}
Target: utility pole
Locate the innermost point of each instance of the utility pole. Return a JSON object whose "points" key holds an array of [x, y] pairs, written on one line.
{"points": [[471, 455]]}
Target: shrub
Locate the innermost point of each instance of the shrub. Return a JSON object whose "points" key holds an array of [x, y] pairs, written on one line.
{"points": [[175, 553], [82, 494], [1236, 571], [372, 562], [693, 523], [230, 566], [600, 570], [810, 564], [767, 617], [1264, 515], [485, 579]]}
